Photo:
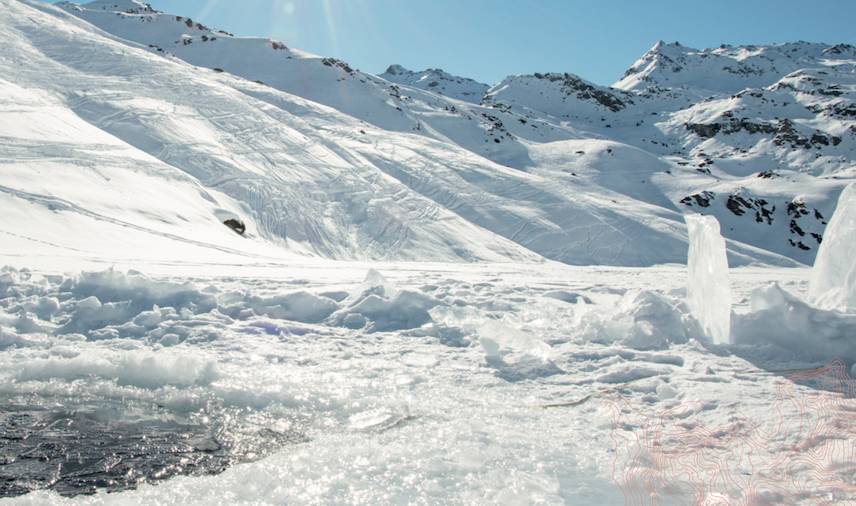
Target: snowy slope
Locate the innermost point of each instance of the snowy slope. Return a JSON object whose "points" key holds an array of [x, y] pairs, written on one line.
{"points": [[651, 161], [313, 180], [672, 117], [205, 132], [378, 102]]}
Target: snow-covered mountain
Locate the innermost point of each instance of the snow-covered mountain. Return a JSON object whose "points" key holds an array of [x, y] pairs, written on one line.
{"points": [[323, 159], [769, 131], [300, 175], [729, 69], [436, 80]]}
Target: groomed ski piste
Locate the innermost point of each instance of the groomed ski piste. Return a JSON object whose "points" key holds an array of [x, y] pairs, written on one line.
{"points": [[436, 300]]}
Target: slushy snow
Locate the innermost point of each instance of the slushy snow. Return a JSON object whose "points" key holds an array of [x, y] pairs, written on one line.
{"points": [[708, 284]]}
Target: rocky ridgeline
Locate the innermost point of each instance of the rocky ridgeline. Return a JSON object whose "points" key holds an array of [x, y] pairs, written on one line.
{"points": [[801, 227], [556, 94]]}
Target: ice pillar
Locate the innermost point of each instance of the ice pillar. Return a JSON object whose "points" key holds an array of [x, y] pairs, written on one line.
{"points": [[833, 278], [708, 283]]}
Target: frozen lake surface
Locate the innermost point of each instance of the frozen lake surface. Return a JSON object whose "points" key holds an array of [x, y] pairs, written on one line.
{"points": [[330, 383]]}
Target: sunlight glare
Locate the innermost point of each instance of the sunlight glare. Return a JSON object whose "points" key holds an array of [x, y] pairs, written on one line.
{"points": [[331, 27], [209, 5]]}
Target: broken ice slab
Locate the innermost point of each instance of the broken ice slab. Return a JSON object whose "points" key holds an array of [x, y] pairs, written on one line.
{"points": [[833, 278], [708, 282]]}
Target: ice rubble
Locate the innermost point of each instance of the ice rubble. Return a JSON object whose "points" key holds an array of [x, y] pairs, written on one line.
{"points": [[503, 344], [378, 306], [643, 320], [114, 305], [461, 351], [833, 279], [709, 285]]}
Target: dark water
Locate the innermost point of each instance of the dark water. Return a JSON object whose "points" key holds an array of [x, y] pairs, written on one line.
{"points": [[82, 448]]}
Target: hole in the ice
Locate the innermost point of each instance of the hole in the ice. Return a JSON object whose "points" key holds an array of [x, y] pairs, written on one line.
{"points": [[81, 448]]}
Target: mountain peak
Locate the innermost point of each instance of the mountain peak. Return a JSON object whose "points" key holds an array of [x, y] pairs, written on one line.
{"points": [[563, 94], [396, 70], [127, 6], [840, 50], [437, 81], [726, 69]]}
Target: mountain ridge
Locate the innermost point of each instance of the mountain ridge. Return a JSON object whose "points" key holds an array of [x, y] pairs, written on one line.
{"points": [[436, 80]]}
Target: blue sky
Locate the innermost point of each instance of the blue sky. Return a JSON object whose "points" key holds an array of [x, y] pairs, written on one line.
{"points": [[489, 39]]}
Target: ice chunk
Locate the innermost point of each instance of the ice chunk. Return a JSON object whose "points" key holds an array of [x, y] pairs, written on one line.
{"points": [[665, 391], [298, 306], [500, 342], [511, 345], [769, 297], [407, 309], [374, 284], [708, 284], [833, 279], [643, 320]]}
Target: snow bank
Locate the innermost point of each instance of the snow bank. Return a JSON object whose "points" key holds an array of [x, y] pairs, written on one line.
{"points": [[139, 291], [781, 318], [833, 280], [145, 369], [115, 305]]}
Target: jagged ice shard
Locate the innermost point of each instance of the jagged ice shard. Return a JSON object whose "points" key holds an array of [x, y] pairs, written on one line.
{"points": [[833, 278], [708, 283]]}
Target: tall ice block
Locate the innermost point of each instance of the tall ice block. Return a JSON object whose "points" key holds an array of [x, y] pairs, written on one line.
{"points": [[833, 279], [708, 283]]}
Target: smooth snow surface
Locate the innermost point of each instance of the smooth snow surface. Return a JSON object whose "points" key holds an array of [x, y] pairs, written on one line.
{"points": [[833, 280], [708, 281]]}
